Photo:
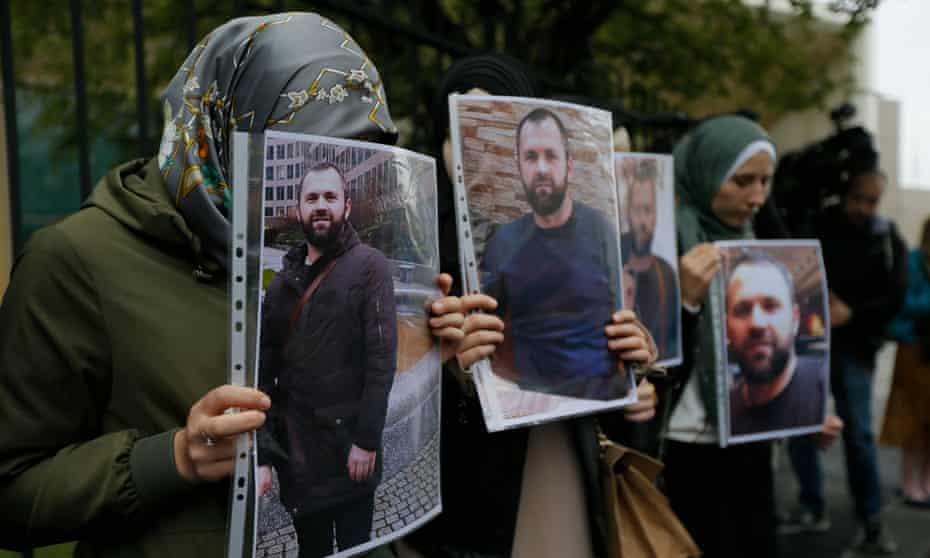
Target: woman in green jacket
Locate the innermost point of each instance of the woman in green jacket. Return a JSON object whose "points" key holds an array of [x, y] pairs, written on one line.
{"points": [[113, 333]]}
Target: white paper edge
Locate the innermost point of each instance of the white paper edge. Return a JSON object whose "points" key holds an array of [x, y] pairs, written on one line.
{"points": [[717, 300], [468, 262], [272, 134], [238, 334]]}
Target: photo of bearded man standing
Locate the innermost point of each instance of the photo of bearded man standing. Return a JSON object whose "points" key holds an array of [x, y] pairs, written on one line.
{"points": [[328, 358]]}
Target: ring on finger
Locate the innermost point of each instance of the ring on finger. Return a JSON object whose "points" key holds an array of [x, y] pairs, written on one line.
{"points": [[208, 440]]}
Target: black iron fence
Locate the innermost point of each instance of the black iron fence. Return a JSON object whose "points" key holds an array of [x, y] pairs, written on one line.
{"points": [[68, 121]]}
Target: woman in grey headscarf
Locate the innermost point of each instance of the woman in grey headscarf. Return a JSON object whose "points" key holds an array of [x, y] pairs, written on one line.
{"points": [[113, 333], [290, 72]]}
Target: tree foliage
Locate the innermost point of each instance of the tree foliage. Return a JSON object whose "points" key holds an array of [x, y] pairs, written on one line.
{"points": [[695, 56]]}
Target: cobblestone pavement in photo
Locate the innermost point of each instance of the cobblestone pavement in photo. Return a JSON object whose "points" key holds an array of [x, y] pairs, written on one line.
{"points": [[399, 501], [410, 494]]}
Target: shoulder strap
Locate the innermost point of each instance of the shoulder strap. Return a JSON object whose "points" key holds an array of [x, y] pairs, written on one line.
{"points": [[295, 315]]}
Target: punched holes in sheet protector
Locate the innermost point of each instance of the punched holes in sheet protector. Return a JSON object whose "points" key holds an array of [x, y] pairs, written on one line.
{"points": [[240, 236], [238, 278], [238, 305], [240, 497], [238, 327], [241, 482], [239, 252], [238, 367]]}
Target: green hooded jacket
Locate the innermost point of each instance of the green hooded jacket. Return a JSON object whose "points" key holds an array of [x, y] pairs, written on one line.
{"points": [[106, 340]]}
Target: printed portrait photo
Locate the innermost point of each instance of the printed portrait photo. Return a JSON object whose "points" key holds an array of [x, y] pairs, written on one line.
{"points": [[348, 458], [646, 193], [777, 338], [542, 220]]}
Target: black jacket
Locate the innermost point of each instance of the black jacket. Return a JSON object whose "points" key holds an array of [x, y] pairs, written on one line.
{"points": [[328, 378], [867, 269]]}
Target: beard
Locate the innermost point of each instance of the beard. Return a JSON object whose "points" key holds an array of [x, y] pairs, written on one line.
{"points": [[763, 371], [547, 202], [642, 243], [322, 228]]}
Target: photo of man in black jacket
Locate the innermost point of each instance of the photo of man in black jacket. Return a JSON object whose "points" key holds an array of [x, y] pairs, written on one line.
{"points": [[328, 357]]}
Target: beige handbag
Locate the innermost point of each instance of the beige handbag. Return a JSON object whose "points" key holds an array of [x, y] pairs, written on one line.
{"points": [[641, 523]]}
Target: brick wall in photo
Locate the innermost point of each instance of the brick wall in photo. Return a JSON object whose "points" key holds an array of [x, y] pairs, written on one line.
{"points": [[492, 179]]}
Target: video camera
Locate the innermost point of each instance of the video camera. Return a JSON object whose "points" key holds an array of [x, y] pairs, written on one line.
{"points": [[810, 180]]}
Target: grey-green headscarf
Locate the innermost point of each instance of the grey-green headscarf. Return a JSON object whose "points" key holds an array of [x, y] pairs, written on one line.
{"points": [[704, 160], [295, 72]]}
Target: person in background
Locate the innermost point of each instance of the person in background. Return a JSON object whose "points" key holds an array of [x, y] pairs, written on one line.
{"points": [[907, 414], [854, 238], [114, 329], [723, 169]]}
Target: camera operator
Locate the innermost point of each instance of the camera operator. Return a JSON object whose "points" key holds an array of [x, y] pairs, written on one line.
{"points": [[866, 263]]}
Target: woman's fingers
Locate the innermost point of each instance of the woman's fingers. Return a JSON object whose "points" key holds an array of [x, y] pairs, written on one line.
{"points": [[645, 407], [637, 355], [623, 330], [446, 305], [481, 337], [623, 316], [473, 355], [204, 449], [478, 302], [221, 449], [478, 322], [217, 400], [230, 424], [444, 282], [453, 334], [622, 344], [641, 416], [455, 319]]}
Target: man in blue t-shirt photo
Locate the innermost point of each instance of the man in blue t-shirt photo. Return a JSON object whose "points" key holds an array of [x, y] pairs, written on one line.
{"points": [[555, 274]]}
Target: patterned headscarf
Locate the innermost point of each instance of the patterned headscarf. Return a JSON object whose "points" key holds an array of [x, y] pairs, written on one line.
{"points": [[295, 72]]}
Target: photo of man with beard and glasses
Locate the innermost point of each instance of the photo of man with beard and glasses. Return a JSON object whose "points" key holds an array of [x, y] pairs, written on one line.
{"points": [[649, 252], [555, 272], [776, 340]]}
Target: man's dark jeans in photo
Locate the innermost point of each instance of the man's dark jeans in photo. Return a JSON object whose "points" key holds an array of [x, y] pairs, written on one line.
{"points": [[352, 523]]}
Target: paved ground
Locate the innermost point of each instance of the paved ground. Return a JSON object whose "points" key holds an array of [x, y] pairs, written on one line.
{"points": [[399, 501], [910, 527], [409, 488]]}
